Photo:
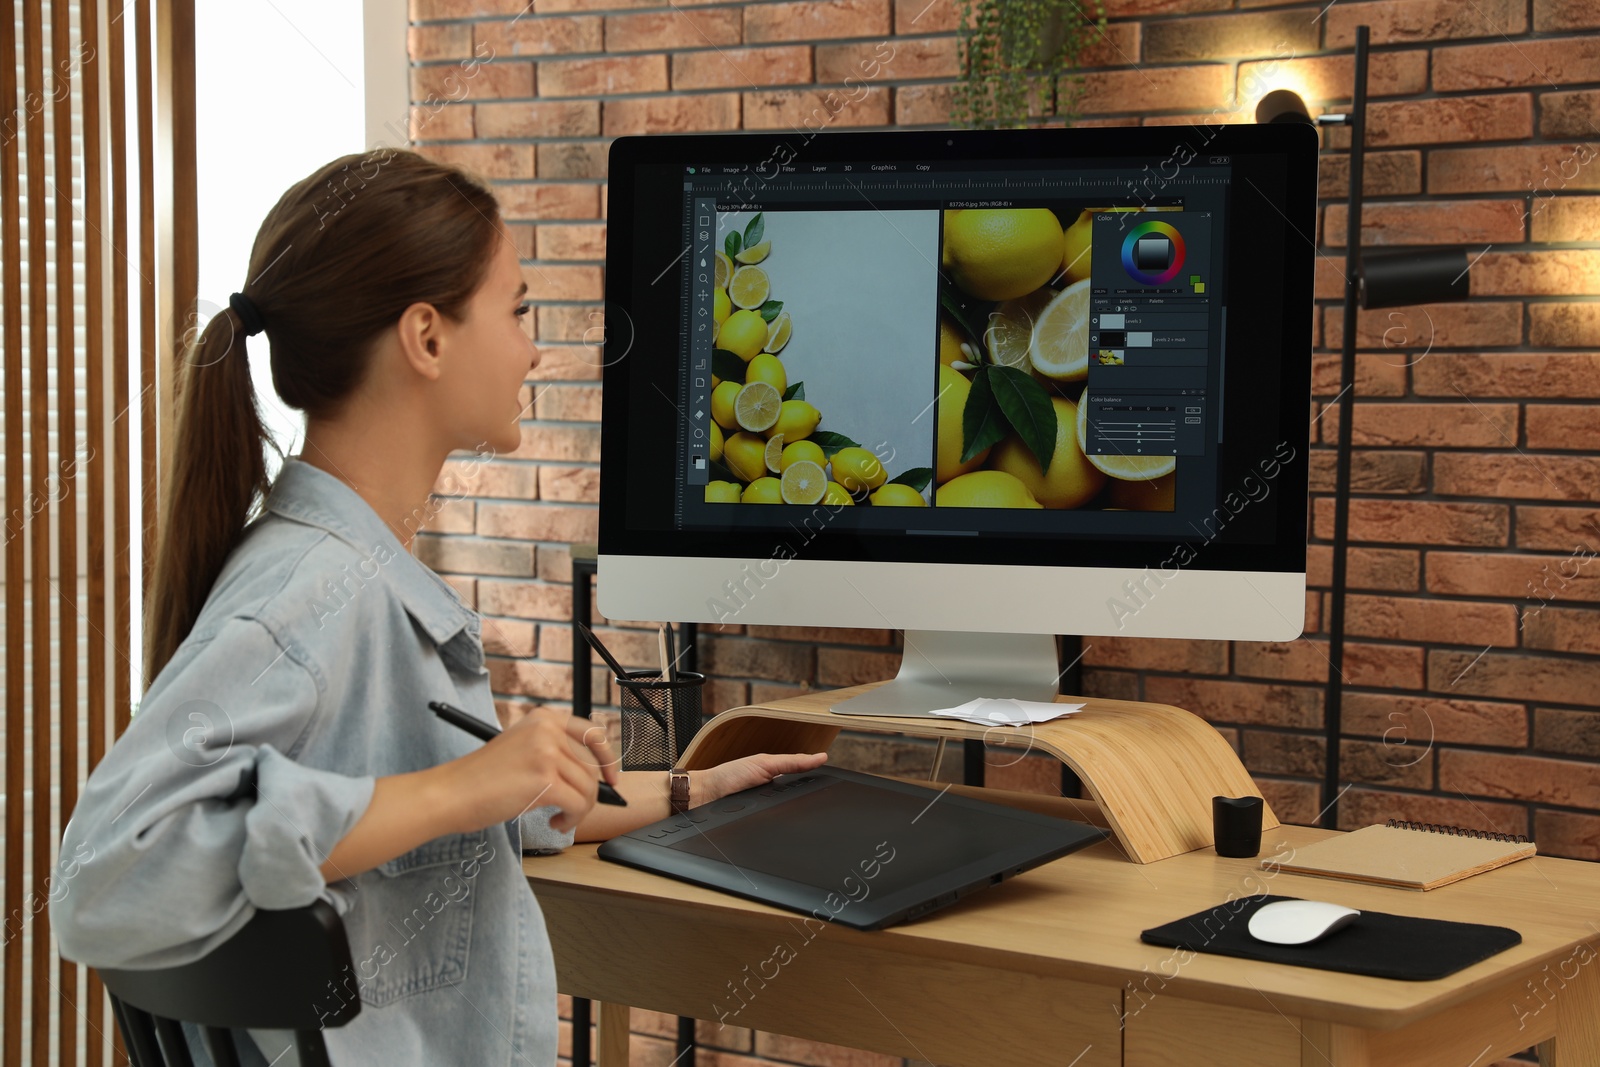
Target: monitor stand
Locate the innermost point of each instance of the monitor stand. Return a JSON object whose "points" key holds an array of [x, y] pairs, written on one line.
{"points": [[943, 668]]}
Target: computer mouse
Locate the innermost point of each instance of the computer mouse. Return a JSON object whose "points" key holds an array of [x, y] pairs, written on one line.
{"points": [[1299, 922]]}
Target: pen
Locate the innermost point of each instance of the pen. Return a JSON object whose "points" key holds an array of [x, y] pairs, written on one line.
{"points": [[594, 642], [483, 732]]}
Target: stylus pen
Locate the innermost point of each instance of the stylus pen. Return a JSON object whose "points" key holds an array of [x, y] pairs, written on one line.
{"points": [[483, 732]]}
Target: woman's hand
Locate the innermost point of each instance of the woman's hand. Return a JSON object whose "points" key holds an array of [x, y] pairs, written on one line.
{"points": [[713, 783], [546, 757]]}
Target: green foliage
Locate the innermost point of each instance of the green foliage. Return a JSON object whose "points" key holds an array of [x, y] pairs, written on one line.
{"points": [[1017, 49]]}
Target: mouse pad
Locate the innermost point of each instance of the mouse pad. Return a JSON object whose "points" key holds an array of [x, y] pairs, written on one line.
{"points": [[1376, 944]]}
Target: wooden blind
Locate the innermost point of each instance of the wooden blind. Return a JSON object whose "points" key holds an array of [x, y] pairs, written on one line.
{"points": [[97, 256]]}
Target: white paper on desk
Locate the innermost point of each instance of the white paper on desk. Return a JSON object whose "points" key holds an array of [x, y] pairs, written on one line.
{"points": [[1004, 711]]}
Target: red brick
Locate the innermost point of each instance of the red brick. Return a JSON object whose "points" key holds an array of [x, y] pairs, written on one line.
{"points": [[526, 677], [741, 68], [1420, 223], [671, 114], [1428, 425], [723, 694], [1575, 325], [1565, 218], [1296, 755], [1400, 21], [1553, 273], [1559, 529], [468, 555], [538, 118], [424, 43], [1497, 66], [1198, 657], [570, 484], [1294, 803], [583, 362], [1563, 629], [1528, 577], [1372, 471], [678, 28], [1516, 374], [915, 57], [1323, 79], [930, 16], [1382, 174], [441, 122], [497, 478], [808, 20], [466, 588], [1376, 375], [1427, 720], [1115, 46], [571, 242], [552, 281], [816, 109], [1394, 762], [1517, 169], [1423, 327], [1493, 774], [1563, 115], [1389, 569], [607, 76], [1254, 703], [525, 600], [832, 635], [484, 161], [569, 403], [537, 36], [538, 522], [1131, 8], [555, 563], [1516, 475], [480, 81], [1362, 807], [1565, 15], [570, 322], [839, 667], [1291, 32], [507, 637], [922, 105], [740, 657], [1306, 660], [1419, 522], [1497, 117], [1434, 621], [428, 10], [1568, 834], [1112, 685], [573, 160], [1157, 89], [569, 443]]}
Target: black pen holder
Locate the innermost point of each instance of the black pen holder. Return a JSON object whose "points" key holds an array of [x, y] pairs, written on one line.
{"points": [[659, 718], [1236, 825]]}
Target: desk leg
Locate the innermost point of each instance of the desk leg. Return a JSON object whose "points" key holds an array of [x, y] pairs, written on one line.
{"points": [[611, 1024], [1577, 1004]]}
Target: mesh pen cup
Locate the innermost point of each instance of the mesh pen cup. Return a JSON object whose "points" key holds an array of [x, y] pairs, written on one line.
{"points": [[659, 718]]}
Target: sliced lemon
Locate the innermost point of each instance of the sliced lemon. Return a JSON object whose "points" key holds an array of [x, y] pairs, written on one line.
{"points": [[755, 253], [724, 270], [757, 405], [749, 288], [774, 453], [1009, 334], [778, 332], [1060, 345], [1127, 468], [804, 482]]}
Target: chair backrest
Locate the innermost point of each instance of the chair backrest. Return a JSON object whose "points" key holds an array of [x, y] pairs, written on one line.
{"points": [[283, 970]]}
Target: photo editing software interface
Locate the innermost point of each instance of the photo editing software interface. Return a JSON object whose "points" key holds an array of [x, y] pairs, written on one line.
{"points": [[1013, 346]]}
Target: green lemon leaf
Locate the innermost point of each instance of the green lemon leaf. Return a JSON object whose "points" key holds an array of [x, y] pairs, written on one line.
{"points": [[752, 232], [797, 391], [770, 309], [1028, 409], [731, 245], [982, 421], [830, 442], [917, 478], [727, 365]]}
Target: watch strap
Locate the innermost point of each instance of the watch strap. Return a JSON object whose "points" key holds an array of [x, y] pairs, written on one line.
{"points": [[680, 790]]}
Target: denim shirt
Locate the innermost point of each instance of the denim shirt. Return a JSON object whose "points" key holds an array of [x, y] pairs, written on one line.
{"points": [[306, 677]]}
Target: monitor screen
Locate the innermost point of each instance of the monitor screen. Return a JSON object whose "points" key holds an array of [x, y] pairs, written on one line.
{"points": [[1068, 350]]}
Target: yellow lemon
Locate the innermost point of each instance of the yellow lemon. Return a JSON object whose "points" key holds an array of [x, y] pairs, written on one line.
{"points": [[773, 456], [1009, 334], [797, 451], [1075, 259], [721, 307], [1127, 468], [1002, 253], [769, 369], [897, 495], [755, 253], [743, 334], [724, 270], [985, 489], [1060, 345], [716, 441], [950, 342], [763, 491], [804, 482], [778, 332], [722, 398], [745, 455], [749, 288], [796, 420], [756, 406], [858, 470], [1154, 495], [1071, 480], [837, 495], [722, 492], [953, 391]]}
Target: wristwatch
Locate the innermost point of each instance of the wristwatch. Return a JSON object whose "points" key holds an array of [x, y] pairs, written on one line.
{"points": [[679, 802]]}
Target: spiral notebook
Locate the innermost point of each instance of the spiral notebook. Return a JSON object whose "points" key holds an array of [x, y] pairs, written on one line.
{"points": [[1407, 855]]}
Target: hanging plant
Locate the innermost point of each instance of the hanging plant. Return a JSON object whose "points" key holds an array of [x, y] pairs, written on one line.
{"points": [[1014, 49]]}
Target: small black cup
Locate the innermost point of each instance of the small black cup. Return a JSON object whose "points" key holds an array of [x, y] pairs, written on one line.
{"points": [[1236, 826]]}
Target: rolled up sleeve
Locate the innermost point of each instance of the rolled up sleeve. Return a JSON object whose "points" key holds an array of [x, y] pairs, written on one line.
{"points": [[199, 815], [539, 837]]}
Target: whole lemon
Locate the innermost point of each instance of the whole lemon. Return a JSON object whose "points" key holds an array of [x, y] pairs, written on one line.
{"points": [[796, 420], [895, 494], [766, 490], [1071, 479], [836, 495], [801, 450], [985, 489], [950, 343], [743, 333], [722, 398], [1075, 260], [721, 306], [716, 442], [767, 368], [953, 391], [858, 470], [745, 455], [1003, 253], [722, 492]]}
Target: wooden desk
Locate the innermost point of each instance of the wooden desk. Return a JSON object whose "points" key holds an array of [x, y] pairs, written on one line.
{"points": [[1047, 969]]}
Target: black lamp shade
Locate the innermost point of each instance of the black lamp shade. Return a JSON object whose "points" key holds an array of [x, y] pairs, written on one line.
{"points": [[1422, 276], [1282, 105]]}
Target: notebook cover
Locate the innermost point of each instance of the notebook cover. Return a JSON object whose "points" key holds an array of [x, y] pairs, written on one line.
{"points": [[1403, 857], [1376, 944]]}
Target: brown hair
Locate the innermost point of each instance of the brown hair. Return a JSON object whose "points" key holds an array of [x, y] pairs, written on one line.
{"points": [[338, 258]]}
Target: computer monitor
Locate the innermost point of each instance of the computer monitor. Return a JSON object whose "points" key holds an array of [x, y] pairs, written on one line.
{"points": [[986, 386]]}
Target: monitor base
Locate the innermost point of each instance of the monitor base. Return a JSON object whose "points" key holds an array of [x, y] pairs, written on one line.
{"points": [[943, 668]]}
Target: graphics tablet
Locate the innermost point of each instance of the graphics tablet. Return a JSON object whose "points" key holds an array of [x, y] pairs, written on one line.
{"points": [[847, 847]]}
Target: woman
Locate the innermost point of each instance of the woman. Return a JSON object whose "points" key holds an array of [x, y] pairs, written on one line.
{"points": [[284, 750]]}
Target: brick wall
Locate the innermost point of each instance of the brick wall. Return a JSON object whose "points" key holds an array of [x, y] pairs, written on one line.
{"points": [[1473, 644]]}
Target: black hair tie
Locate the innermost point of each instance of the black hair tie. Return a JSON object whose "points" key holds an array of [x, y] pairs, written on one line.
{"points": [[248, 315]]}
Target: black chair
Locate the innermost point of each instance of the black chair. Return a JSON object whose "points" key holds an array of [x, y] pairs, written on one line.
{"points": [[283, 970]]}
